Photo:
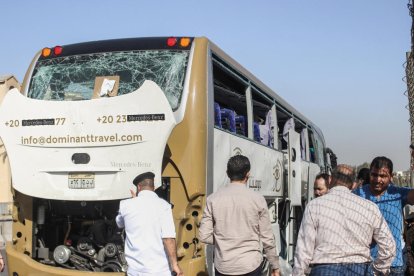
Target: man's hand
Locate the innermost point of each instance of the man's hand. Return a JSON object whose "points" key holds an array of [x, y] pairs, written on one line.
{"points": [[275, 272], [177, 270], [133, 193], [1, 264], [170, 247]]}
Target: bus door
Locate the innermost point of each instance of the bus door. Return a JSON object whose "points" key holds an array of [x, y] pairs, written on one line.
{"points": [[295, 169], [294, 189]]}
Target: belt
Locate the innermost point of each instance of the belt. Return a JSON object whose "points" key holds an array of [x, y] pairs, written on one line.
{"points": [[313, 265]]}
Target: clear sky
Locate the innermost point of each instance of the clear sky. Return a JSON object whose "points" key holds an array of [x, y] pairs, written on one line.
{"points": [[339, 62]]}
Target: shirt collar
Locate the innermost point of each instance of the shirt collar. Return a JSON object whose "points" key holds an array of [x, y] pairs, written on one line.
{"points": [[146, 193], [340, 188], [237, 185]]}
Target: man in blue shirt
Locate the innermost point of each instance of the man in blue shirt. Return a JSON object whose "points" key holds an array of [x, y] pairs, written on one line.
{"points": [[391, 200]]}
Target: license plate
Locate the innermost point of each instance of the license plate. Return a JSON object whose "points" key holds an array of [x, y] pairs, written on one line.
{"points": [[81, 180]]}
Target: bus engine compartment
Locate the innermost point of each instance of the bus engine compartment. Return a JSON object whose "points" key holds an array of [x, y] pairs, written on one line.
{"points": [[79, 235]]}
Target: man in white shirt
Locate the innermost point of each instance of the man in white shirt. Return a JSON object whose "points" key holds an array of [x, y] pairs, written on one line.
{"points": [[150, 248]]}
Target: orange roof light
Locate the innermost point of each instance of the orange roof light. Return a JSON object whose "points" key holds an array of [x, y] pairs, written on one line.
{"points": [[171, 41], [46, 52], [184, 42], [57, 50]]}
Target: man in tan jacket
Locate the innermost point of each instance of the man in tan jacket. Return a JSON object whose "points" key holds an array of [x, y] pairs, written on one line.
{"points": [[236, 220]]}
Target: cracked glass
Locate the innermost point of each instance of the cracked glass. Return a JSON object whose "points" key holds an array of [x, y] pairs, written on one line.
{"points": [[73, 77]]}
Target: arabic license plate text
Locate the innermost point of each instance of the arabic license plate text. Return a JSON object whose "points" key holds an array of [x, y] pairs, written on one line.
{"points": [[81, 181]]}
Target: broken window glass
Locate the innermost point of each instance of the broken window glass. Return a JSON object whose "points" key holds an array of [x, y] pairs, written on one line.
{"points": [[73, 77]]}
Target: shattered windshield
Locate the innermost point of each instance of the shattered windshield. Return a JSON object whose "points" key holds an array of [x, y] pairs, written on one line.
{"points": [[82, 77]]}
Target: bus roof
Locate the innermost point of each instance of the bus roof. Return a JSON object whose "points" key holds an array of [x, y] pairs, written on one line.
{"points": [[124, 44]]}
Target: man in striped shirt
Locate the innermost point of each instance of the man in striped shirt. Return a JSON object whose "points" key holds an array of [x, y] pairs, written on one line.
{"points": [[337, 230]]}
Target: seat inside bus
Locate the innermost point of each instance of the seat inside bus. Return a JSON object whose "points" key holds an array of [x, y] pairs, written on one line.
{"points": [[227, 119], [241, 126]]}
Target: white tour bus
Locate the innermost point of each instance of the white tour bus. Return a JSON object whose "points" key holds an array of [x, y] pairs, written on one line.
{"points": [[93, 115]]}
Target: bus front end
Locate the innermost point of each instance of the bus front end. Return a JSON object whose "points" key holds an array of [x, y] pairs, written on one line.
{"points": [[94, 115]]}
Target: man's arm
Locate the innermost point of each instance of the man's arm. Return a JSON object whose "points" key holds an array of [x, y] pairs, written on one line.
{"points": [[385, 242], [305, 245], [206, 225], [1, 263], [119, 218], [171, 249], [168, 238]]}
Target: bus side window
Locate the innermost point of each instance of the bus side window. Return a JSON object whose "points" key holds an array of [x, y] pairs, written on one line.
{"points": [[282, 118], [312, 151], [303, 146], [262, 127], [230, 108], [319, 150]]}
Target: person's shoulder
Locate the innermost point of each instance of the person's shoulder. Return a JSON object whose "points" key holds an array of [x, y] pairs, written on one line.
{"points": [[357, 191], [126, 202], [221, 191], [363, 201], [392, 188], [130, 200], [212, 196], [256, 195], [357, 197], [315, 204], [252, 192], [321, 199], [360, 190], [314, 201], [163, 203]]}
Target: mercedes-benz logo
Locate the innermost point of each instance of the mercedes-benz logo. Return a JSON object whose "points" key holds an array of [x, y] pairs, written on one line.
{"points": [[237, 151]]}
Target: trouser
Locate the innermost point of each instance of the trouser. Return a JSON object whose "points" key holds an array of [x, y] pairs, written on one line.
{"points": [[397, 271], [256, 272], [345, 269]]}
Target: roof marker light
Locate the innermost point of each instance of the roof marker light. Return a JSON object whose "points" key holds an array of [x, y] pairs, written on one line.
{"points": [[46, 52], [57, 50], [171, 41], [184, 42]]}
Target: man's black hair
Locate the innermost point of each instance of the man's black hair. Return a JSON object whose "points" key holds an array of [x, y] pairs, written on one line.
{"points": [[325, 177], [364, 175], [381, 162], [237, 167]]}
